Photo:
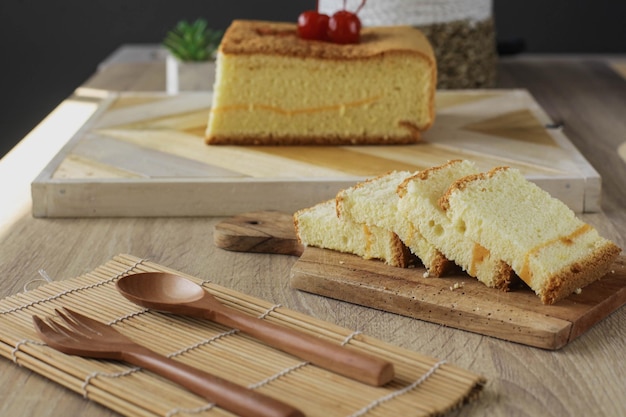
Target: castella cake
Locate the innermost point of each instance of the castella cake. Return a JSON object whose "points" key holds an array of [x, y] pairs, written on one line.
{"points": [[375, 202], [551, 250], [419, 204], [319, 226], [273, 87]]}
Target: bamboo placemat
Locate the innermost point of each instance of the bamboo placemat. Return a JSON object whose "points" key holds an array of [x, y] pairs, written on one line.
{"points": [[423, 386]]}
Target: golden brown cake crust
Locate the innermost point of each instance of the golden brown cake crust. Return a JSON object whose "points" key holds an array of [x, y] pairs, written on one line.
{"points": [[439, 266], [329, 140], [280, 38], [506, 278], [461, 183], [580, 274], [296, 223], [402, 256], [425, 173]]}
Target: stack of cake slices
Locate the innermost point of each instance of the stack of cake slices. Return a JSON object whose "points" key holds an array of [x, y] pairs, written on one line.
{"points": [[497, 226]]}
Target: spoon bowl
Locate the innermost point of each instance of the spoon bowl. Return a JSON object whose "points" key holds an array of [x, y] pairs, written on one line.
{"points": [[167, 292], [176, 294]]}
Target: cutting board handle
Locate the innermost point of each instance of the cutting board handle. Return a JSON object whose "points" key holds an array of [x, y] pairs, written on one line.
{"points": [[260, 231]]}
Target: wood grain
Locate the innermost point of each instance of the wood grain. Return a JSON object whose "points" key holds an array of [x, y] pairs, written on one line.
{"points": [[261, 232], [135, 143], [517, 316]]}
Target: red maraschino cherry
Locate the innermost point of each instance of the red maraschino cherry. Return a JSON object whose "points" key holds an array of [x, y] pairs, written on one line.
{"points": [[312, 25], [343, 27]]}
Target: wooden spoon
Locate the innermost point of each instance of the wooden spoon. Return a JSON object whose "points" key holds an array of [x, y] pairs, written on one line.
{"points": [[175, 294]]}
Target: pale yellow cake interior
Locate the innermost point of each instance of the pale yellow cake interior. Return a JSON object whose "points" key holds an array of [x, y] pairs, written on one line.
{"points": [[319, 226]]}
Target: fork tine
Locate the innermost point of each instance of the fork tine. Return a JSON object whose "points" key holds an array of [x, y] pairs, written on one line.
{"points": [[41, 326], [69, 334], [49, 331], [60, 329], [77, 322], [94, 326]]}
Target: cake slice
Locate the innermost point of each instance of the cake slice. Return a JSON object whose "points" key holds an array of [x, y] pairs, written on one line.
{"points": [[375, 202], [274, 88], [319, 226], [551, 250], [419, 203]]}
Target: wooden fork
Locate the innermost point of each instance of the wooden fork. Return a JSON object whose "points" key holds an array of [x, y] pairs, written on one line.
{"points": [[82, 336]]}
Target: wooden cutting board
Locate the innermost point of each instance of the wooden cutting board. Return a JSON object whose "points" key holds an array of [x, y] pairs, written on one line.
{"points": [[456, 300], [143, 154]]}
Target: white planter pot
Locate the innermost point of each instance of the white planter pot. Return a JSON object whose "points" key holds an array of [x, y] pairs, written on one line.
{"points": [[188, 76]]}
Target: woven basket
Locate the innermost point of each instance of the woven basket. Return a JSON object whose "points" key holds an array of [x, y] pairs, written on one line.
{"points": [[462, 33]]}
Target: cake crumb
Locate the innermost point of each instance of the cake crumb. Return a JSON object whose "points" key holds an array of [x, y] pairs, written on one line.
{"points": [[426, 274], [457, 285], [578, 290], [342, 262]]}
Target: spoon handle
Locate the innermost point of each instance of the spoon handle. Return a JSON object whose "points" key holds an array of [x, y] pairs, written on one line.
{"points": [[339, 359], [228, 395]]}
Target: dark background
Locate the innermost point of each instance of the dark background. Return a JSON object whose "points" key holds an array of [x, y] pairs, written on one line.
{"points": [[51, 47]]}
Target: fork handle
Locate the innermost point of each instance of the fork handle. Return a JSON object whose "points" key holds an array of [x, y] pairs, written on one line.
{"points": [[225, 394]]}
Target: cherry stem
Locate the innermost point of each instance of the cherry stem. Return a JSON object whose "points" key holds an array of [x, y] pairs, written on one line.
{"points": [[359, 8]]}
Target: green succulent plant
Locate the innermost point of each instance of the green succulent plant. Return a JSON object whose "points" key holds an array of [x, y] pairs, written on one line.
{"points": [[193, 41]]}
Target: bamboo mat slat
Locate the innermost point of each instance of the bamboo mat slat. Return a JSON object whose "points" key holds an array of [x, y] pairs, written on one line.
{"points": [[423, 386]]}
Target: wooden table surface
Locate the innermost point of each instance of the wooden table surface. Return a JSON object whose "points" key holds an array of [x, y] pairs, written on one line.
{"points": [[587, 377]]}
